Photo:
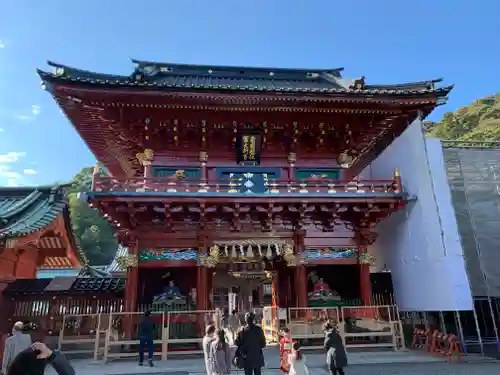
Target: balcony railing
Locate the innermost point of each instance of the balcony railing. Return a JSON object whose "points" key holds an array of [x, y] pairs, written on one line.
{"points": [[237, 186]]}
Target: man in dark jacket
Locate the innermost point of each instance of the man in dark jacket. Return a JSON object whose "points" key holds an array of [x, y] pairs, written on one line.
{"points": [[336, 357], [146, 328], [250, 342]]}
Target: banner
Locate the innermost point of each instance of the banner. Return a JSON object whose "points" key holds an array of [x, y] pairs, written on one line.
{"points": [[248, 147], [232, 302]]}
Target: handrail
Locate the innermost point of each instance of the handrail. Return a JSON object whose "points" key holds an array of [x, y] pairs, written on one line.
{"points": [[235, 185]]}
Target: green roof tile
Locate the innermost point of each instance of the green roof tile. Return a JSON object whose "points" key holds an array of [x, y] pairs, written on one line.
{"points": [[24, 210]]}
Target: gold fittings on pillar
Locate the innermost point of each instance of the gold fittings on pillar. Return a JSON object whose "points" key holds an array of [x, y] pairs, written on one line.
{"points": [[145, 158]]}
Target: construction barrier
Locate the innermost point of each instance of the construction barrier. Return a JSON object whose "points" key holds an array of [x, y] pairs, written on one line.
{"points": [[113, 335], [437, 343], [79, 334], [307, 324], [371, 327], [118, 344], [184, 330], [421, 339]]}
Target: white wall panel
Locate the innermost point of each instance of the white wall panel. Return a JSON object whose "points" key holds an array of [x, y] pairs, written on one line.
{"points": [[421, 244]]}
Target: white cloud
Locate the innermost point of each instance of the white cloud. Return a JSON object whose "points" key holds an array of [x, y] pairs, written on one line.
{"points": [[11, 175], [1, 130], [11, 157], [35, 111], [2, 44], [30, 171]]}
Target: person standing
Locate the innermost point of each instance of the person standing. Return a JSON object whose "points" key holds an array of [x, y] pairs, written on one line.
{"points": [[285, 350], [297, 361], [146, 329], [336, 357], [220, 355], [206, 343], [34, 359], [250, 342], [14, 345], [234, 324]]}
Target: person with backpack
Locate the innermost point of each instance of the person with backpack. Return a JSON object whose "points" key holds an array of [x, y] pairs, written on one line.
{"points": [[220, 355], [250, 343]]}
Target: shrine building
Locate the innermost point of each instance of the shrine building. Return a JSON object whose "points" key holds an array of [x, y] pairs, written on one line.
{"points": [[243, 180]]}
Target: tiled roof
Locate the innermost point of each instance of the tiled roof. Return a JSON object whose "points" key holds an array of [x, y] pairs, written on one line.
{"points": [[155, 75], [99, 284], [56, 262], [24, 210], [94, 271], [120, 252], [26, 286], [71, 285]]}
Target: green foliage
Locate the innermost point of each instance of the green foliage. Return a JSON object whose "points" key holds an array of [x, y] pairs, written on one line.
{"points": [[93, 234], [479, 121]]}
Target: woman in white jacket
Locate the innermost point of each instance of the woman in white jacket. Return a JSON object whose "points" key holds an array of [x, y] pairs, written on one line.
{"points": [[206, 343], [297, 362]]}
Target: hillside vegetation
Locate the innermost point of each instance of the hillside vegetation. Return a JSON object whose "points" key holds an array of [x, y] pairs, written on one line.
{"points": [[479, 121]]}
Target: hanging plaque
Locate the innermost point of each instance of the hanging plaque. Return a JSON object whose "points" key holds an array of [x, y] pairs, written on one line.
{"points": [[248, 147]]}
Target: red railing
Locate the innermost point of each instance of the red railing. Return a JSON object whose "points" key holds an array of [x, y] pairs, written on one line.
{"points": [[273, 186]]}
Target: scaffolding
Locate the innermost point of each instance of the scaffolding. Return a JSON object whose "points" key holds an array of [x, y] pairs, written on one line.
{"points": [[473, 171]]}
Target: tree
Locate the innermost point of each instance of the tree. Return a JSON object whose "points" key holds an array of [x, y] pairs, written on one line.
{"points": [[479, 121], [93, 234]]}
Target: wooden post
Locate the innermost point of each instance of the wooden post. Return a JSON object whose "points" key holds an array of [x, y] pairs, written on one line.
{"points": [[95, 177], [300, 271], [146, 159], [292, 158], [398, 185], [203, 167]]}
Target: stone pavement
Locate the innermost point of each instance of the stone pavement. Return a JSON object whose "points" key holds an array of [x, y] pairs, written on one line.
{"points": [[392, 363]]}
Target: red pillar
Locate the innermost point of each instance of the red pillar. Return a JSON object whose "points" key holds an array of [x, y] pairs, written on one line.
{"points": [[301, 285], [364, 237], [202, 295], [274, 290], [300, 270], [131, 285], [365, 284]]}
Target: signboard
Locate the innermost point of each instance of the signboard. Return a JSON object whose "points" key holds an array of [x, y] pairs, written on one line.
{"points": [[232, 301], [248, 148]]}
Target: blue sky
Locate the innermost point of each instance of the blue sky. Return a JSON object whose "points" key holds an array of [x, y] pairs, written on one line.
{"points": [[388, 41]]}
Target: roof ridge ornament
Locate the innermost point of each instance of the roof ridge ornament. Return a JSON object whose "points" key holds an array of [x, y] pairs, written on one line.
{"points": [[358, 84]]}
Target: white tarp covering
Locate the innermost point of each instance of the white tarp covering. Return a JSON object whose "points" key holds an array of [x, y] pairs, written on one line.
{"points": [[420, 244]]}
